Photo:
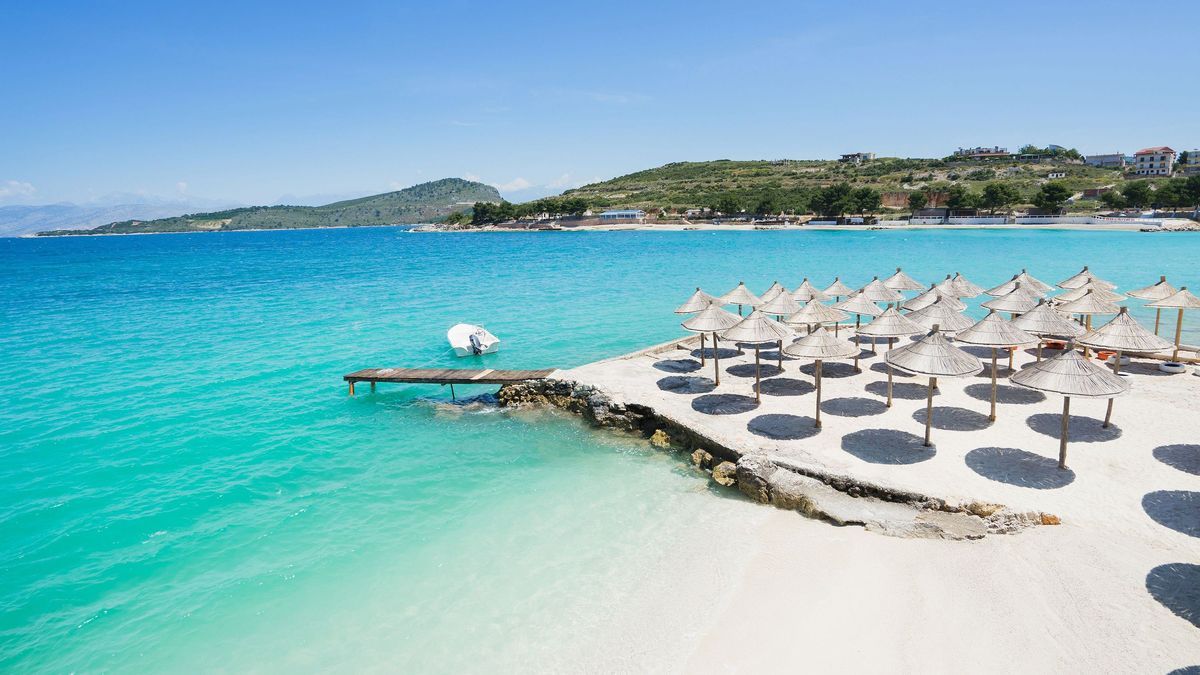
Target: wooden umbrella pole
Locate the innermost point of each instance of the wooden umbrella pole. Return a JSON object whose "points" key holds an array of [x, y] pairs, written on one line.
{"points": [[993, 415], [817, 372], [929, 412], [1157, 318], [873, 345], [1039, 356], [780, 354], [1087, 324], [757, 377], [1066, 428], [1116, 371], [1178, 335], [889, 404], [702, 359], [716, 362], [891, 341], [1011, 351]]}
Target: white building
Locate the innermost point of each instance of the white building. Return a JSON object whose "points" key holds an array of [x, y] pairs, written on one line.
{"points": [[1114, 161], [857, 157], [1157, 161], [626, 215]]}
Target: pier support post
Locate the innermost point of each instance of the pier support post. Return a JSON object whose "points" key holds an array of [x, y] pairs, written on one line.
{"points": [[452, 396], [351, 387], [1066, 430], [372, 387]]}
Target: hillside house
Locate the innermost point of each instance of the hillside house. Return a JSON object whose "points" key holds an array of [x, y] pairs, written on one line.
{"points": [[1156, 161]]}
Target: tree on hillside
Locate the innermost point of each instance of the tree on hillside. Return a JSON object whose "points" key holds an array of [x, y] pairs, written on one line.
{"points": [[997, 195], [834, 200], [866, 200], [767, 205], [1137, 194], [1113, 200], [961, 198], [727, 204], [1052, 196], [1191, 188], [917, 200]]}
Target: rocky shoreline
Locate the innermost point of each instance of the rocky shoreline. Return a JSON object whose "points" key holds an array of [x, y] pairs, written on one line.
{"points": [[838, 499]]}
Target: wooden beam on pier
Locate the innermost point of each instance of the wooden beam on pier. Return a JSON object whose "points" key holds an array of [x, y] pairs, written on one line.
{"points": [[450, 376]]}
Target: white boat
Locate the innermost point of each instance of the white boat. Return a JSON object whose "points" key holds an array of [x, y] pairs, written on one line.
{"points": [[471, 340]]}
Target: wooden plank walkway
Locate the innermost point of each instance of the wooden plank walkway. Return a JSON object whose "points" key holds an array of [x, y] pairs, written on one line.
{"points": [[450, 376]]}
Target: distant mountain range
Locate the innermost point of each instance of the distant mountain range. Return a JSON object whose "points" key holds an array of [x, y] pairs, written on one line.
{"points": [[422, 203], [16, 221]]}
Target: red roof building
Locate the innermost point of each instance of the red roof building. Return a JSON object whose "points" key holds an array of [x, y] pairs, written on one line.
{"points": [[1157, 161]]}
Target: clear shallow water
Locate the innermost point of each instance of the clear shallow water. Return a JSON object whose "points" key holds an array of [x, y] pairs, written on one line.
{"points": [[185, 483]]}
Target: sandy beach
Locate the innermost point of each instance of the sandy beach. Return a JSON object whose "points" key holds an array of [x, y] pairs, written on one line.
{"points": [[1099, 592]]}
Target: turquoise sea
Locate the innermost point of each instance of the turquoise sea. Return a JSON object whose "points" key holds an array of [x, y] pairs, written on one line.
{"points": [[185, 485]]}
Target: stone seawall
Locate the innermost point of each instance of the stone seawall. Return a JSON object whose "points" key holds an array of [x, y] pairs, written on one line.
{"points": [[839, 499]]}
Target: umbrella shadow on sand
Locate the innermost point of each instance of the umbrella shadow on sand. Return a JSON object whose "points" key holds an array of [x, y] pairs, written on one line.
{"points": [[780, 427], [1177, 587], [887, 446], [1185, 457], [747, 370], [721, 351], [1176, 509], [830, 369], [678, 365], [950, 418], [882, 369], [785, 386], [684, 384], [853, 407], [1083, 429], [909, 391], [723, 404], [1019, 467], [1005, 393]]}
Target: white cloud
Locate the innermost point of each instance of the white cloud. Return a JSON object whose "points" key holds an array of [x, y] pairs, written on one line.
{"points": [[181, 187], [472, 177], [514, 185], [15, 189], [561, 182]]}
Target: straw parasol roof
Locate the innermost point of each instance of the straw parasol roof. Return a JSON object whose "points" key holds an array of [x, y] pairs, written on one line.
{"points": [[781, 305], [993, 331], [822, 346], [931, 296], [712, 319], [814, 313], [758, 327], [699, 300], [1004, 288], [876, 291], [1124, 334], [1017, 301], [1072, 375], [740, 295], [933, 355], [1089, 303], [1181, 299], [1035, 284], [775, 289], [943, 315], [891, 324], [806, 291], [1156, 291], [1077, 293], [966, 288], [837, 288], [1082, 277], [902, 282], [1045, 320], [858, 304]]}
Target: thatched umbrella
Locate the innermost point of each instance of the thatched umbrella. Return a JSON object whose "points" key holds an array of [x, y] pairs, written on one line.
{"points": [[1088, 304], [758, 328], [820, 346], [877, 291], [931, 296], [858, 305], [902, 282], [711, 320], [993, 331], [813, 313], [1016, 301], [1037, 285], [1123, 334], [966, 288], [780, 306], [1181, 300], [698, 302], [1045, 321], [1082, 277], [837, 290], [1071, 375], [806, 291], [775, 289], [891, 325], [943, 315], [1099, 291], [1156, 291], [740, 295], [934, 356]]}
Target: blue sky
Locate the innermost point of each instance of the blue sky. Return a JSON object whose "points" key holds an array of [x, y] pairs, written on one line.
{"points": [[306, 101]]}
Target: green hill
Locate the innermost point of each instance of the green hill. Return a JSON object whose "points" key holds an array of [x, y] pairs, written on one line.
{"points": [[424, 203]]}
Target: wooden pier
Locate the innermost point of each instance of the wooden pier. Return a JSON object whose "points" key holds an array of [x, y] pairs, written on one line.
{"points": [[443, 376]]}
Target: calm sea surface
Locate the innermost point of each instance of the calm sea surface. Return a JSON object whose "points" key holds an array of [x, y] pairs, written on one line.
{"points": [[184, 483]]}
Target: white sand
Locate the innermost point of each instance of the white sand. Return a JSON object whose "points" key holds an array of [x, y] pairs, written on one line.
{"points": [[1056, 598]]}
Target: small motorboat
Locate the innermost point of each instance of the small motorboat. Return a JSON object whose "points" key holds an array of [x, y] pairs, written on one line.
{"points": [[470, 340]]}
